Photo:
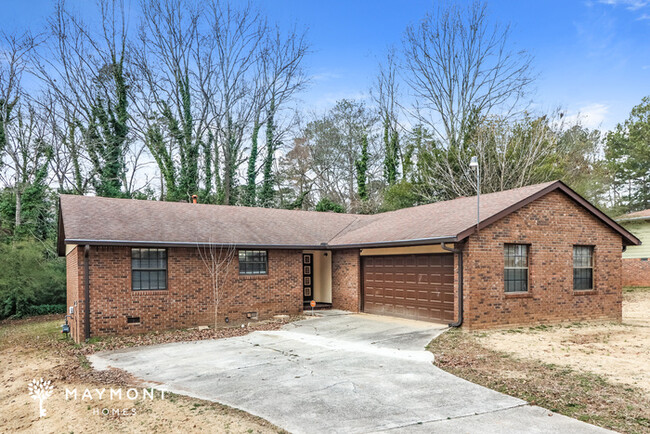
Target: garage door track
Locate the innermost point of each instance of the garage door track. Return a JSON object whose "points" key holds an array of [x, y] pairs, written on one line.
{"points": [[338, 373]]}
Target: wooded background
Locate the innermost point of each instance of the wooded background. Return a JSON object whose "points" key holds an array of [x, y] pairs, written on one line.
{"points": [[205, 98]]}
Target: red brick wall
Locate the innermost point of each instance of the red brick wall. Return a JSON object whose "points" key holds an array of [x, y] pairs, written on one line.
{"points": [[73, 286], [636, 272], [189, 299], [551, 225], [346, 269]]}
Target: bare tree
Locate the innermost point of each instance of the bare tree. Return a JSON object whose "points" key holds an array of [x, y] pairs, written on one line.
{"points": [[85, 69], [335, 141], [281, 77], [236, 36], [218, 262], [385, 94], [296, 177], [28, 154], [462, 69], [173, 60], [511, 153], [24, 153], [14, 58]]}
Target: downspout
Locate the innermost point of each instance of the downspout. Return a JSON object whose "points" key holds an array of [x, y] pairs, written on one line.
{"points": [[87, 291], [459, 252]]}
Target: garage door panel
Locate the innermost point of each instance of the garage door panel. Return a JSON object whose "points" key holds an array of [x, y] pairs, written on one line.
{"points": [[412, 286]]}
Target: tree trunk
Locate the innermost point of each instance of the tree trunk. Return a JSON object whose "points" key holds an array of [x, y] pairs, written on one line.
{"points": [[18, 210]]}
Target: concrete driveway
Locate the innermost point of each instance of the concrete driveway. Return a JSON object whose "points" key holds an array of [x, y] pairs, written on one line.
{"points": [[338, 373]]}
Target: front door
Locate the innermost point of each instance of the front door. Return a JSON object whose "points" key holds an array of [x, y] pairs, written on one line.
{"points": [[307, 276]]}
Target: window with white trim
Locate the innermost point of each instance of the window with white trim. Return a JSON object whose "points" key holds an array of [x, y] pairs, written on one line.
{"points": [[516, 267], [583, 268]]}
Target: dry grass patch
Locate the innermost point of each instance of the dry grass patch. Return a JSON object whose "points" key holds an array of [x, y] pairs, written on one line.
{"points": [[618, 352], [34, 348], [596, 372], [585, 396]]}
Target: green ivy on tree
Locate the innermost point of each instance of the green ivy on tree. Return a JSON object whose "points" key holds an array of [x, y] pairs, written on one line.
{"points": [[362, 169]]}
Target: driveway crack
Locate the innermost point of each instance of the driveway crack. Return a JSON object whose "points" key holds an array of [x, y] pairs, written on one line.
{"points": [[464, 416]]}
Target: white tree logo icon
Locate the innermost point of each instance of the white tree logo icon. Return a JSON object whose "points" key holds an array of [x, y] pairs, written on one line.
{"points": [[41, 390]]}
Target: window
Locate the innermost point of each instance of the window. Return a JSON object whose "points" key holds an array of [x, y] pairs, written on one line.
{"points": [[583, 268], [148, 269], [252, 262], [516, 267]]}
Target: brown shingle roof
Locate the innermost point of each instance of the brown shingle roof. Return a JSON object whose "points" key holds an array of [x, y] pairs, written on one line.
{"points": [[637, 215], [97, 220]]}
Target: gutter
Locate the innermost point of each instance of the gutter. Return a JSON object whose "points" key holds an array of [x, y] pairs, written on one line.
{"points": [[459, 252], [632, 219], [87, 291], [322, 246]]}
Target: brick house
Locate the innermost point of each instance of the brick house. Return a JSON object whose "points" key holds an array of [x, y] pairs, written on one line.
{"points": [[540, 254], [636, 259]]}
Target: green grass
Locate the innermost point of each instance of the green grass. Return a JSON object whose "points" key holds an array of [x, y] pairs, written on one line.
{"points": [[630, 289]]}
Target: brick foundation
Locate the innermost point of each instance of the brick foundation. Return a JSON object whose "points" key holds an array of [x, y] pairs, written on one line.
{"points": [[636, 272]]}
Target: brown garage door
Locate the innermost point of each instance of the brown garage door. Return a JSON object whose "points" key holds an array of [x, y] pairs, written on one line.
{"points": [[410, 286]]}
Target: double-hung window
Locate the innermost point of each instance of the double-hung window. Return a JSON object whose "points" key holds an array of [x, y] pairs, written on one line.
{"points": [[583, 268], [148, 269], [516, 267]]}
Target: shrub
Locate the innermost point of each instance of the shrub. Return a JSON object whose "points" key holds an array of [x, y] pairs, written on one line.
{"points": [[45, 309], [328, 205], [29, 279]]}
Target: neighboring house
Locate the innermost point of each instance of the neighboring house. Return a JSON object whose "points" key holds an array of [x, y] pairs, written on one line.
{"points": [[636, 266], [542, 254]]}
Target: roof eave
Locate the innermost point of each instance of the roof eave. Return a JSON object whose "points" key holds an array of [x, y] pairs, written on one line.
{"points": [[322, 246], [396, 243], [632, 219]]}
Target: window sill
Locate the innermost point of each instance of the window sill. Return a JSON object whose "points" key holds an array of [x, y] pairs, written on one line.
{"points": [[253, 276], [519, 295], [584, 291], [150, 292]]}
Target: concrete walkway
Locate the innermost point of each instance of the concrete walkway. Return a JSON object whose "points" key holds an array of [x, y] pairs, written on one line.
{"points": [[337, 373]]}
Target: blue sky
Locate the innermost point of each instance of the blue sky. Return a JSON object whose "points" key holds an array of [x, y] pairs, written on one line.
{"points": [[592, 57]]}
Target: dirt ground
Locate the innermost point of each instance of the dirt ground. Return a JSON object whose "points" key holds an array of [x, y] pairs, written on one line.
{"points": [[33, 349], [618, 352], [596, 373]]}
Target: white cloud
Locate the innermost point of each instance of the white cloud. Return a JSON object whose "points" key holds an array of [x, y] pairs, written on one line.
{"points": [[325, 76], [591, 116], [632, 5]]}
